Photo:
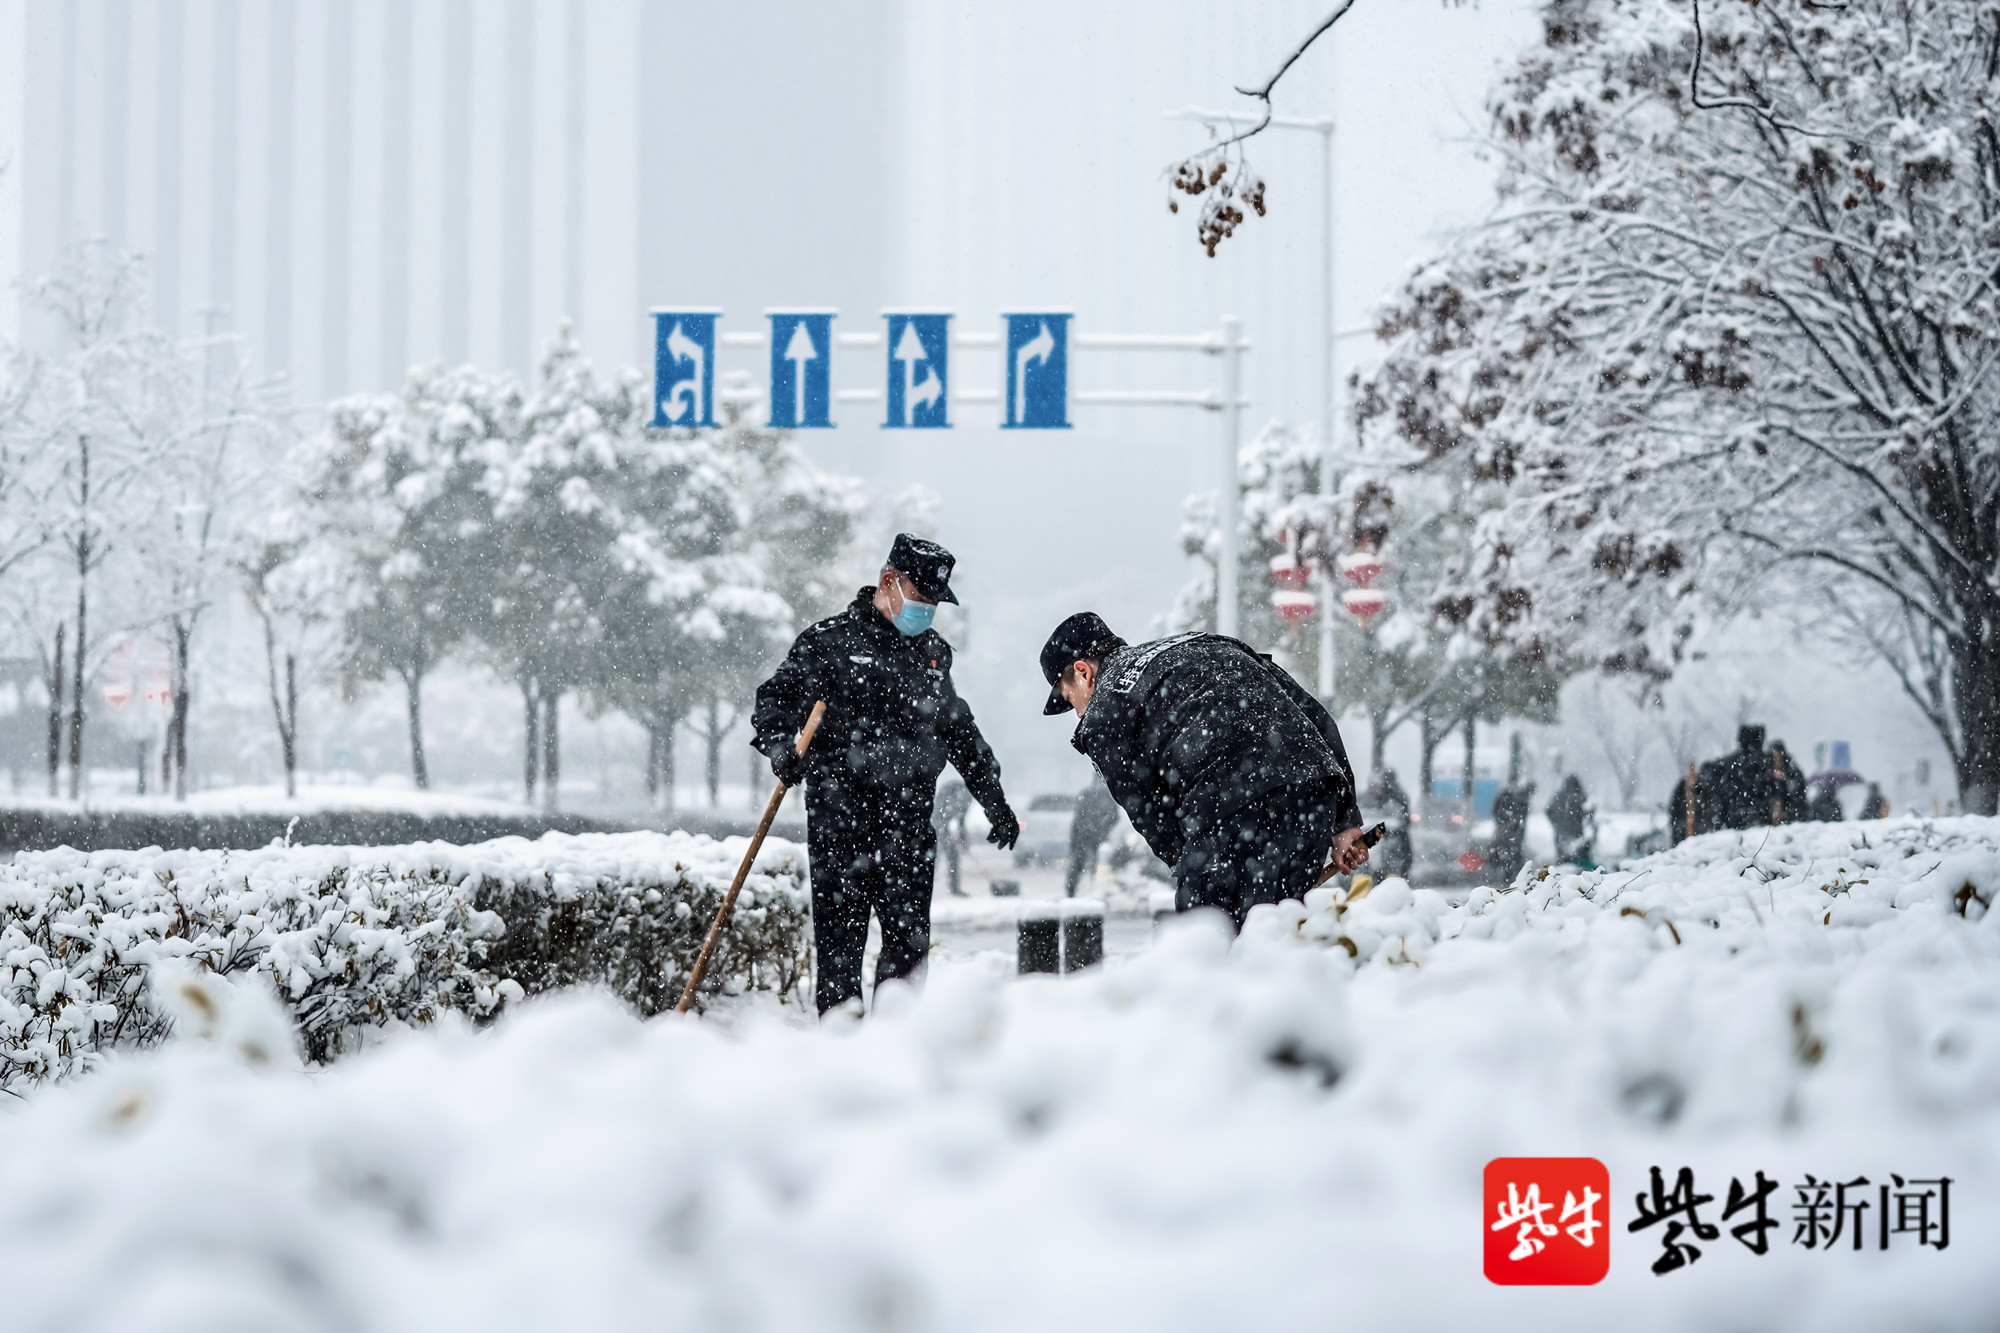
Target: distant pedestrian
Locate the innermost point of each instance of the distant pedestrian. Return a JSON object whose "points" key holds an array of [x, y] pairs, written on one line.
{"points": [[1684, 821], [1788, 783], [1877, 805], [948, 818], [1510, 831], [1233, 774], [1738, 788], [1389, 804], [1096, 815], [1824, 807], [1569, 815]]}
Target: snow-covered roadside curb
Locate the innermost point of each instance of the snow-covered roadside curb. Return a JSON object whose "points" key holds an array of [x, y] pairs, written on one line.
{"points": [[356, 938]]}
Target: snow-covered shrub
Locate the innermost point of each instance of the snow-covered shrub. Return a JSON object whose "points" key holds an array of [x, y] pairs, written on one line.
{"points": [[358, 938], [1798, 893], [628, 913]]}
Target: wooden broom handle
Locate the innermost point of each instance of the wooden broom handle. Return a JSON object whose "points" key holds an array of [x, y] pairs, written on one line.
{"points": [[743, 871]]}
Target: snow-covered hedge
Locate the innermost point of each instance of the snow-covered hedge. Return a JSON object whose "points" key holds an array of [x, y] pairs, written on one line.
{"points": [[353, 938], [1741, 979], [1798, 893]]}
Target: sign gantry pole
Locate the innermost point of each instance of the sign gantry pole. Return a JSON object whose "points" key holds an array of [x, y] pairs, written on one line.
{"points": [[1323, 126], [1328, 481], [1226, 562]]}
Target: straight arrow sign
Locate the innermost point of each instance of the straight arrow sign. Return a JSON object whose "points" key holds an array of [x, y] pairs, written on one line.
{"points": [[799, 351], [801, 372]]}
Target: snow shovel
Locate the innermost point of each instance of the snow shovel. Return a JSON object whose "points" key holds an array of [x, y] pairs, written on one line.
{"points": [[743, 871], [1368, 839]]}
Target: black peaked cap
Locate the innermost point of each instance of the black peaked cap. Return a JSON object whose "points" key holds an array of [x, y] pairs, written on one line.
{"points": [[1070, 641], [928, 565]]}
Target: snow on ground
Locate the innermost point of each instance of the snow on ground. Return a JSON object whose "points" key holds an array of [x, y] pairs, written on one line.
{"points": [[1274, 1135]]}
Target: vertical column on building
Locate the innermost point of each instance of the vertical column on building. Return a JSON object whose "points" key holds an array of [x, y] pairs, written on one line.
{"points": [[517, 221], [338, 203], [656, 169], [573, 157], [223, 113], [72, 75], [116, 137], [279, 114], [455, 263], [167, 173], [397, 37]]}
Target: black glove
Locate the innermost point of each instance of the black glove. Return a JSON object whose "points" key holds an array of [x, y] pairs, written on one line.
{"points": [[1006, 829], [789, 766]]}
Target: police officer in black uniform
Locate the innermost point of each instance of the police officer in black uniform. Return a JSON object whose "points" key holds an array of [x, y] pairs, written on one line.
{"points": [[892, 722], [1233, 774]]}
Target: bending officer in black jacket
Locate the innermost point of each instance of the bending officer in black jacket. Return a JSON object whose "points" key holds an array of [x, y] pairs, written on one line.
{"points": [[1234, 775], [892, 722]]}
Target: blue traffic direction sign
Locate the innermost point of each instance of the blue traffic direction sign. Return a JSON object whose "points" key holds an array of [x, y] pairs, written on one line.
{"points": [[1037, 372], [919, 373], [683, 368], [801, 369]]}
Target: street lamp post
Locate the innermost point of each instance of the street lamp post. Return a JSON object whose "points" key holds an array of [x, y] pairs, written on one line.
{"points": [[1329, 372]]}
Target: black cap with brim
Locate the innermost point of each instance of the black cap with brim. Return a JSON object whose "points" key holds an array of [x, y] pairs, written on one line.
{"points": [[927, 565], [1071, 640]]}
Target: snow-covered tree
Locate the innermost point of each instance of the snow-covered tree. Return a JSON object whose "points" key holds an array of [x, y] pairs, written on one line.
{"points": [[197, 489], [1412, 664], [403, 485], [1407, 664], [132, 462], [731, 541], [543, 583], [1277, 476], [1733, 338], [557, 537], [295, 586]]}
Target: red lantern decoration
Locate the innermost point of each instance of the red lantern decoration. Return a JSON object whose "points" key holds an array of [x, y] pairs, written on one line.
{"points": [[1294, 606], [1362, 567], [1364, 602], [1289, 573]]}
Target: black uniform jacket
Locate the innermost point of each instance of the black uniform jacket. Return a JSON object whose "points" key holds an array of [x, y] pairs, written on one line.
{"points": [[1189, 730], [892, 717]]}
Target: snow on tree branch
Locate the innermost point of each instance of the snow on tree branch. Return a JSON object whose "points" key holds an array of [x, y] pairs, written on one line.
{"points": [[1717, 363], [1222, 171]]}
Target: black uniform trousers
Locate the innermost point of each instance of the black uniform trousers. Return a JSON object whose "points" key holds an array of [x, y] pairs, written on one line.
{"points": [[1271, 849], [872, 849]]}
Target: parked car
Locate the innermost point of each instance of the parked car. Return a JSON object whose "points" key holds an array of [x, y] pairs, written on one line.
{"points": [[1045, 830]]}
